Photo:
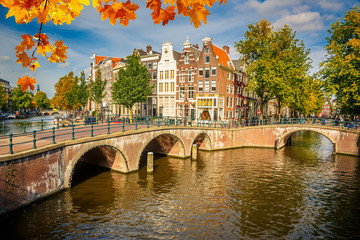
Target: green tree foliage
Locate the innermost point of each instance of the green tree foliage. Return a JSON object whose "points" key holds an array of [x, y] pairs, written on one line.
{"points": [[41, 100], [3, 98], [22, 100], [132, 84], [278, 63], [341, 69], [71, 96], [64, 85], [308, 97], [97, 89], [83, 92]]}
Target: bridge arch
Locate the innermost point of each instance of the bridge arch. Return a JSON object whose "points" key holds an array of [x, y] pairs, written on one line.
{"points": [[203, 141], [103, 155], [284, 139], [162, 143]]}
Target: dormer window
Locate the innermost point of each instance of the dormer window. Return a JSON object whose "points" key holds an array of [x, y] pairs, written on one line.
{"points": [[207, 50]]}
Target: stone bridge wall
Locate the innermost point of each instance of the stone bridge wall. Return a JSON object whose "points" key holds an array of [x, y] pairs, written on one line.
{"points": [[33, 174]]}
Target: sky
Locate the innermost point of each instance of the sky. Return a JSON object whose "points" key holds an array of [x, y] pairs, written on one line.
{"points": [[226, 25]]}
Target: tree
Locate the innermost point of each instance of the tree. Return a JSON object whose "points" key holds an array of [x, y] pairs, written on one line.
{"points": [[59, 12], [22, 100], [132, 84], [309, 97], [71, 96], [96, 89], [3, 98], [341, 70], [61, 88], [41, 100], [278, 63], [83, 91]]}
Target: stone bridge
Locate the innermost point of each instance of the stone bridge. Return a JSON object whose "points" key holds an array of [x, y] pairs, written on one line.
{"points": [[33, 174]]}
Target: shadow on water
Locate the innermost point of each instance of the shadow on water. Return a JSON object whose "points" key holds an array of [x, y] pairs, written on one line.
{"points": [[83, 171]]}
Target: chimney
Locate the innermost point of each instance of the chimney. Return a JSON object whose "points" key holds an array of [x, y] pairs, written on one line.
{"points": [[148, 49], [227, 49]]}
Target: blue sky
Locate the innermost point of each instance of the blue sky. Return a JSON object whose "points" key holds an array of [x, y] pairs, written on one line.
{"points": [[226, 25]]}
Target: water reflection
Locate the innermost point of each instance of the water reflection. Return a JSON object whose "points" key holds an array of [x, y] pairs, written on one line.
{"points": [[27, 124], [299, 192]]}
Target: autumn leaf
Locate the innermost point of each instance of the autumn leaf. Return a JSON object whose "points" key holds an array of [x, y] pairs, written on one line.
{"points": [[26, 82], [165, 15], [198, 13]]}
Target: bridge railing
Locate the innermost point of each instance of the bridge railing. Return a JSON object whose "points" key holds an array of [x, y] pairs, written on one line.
{"points": [[21, 141]]}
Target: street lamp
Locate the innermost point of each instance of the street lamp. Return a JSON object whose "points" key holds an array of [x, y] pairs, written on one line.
{"points": [[245, 102]]}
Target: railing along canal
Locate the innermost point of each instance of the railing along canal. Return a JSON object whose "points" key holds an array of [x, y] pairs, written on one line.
{"points": [[17, 142]]}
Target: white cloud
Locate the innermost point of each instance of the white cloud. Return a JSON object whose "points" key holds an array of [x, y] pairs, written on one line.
{"points": [[306, 21], [63, 65], [4, 58], [331, 5]]}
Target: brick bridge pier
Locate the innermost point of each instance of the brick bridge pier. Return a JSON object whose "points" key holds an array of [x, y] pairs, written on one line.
{"points": [[33, 174]]}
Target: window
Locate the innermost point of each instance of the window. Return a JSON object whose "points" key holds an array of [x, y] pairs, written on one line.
{"points": [[190, 76], [191, 92], [213, 71], [167, 74], [201, 86], [227, 101], [207, 59], [228, 88], [207, 85], [161, 75], [206, 50], [160, 87], [231, 102], [179, 110], [172, 74], [228, 75], [154, 75], [166, 87], [232, 89], [201, 72], [231, 114], [182, 76], [149, 66], [213, 85], [172, 87], [186, 58], [207, 72], [182, 93]]}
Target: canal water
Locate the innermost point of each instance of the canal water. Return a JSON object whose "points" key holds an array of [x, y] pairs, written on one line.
{"points": [[20, 125], [298, 192]]}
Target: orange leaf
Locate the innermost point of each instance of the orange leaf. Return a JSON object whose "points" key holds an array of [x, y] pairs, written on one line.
{"points": [[198, 13], [165, 15], [154, 5], [24, 59], [26, 82]]}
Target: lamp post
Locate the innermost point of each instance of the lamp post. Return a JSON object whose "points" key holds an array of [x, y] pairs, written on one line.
{"points": [[245, 102]]}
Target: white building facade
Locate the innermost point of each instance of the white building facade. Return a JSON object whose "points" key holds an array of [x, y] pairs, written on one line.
{"points": [[166, 84]]}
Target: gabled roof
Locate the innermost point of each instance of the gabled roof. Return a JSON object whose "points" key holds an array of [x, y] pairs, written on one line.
{"points": [[237, 64], [195, 51], [176, 55], [98, 59], [114, 60], [224, 58]]}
